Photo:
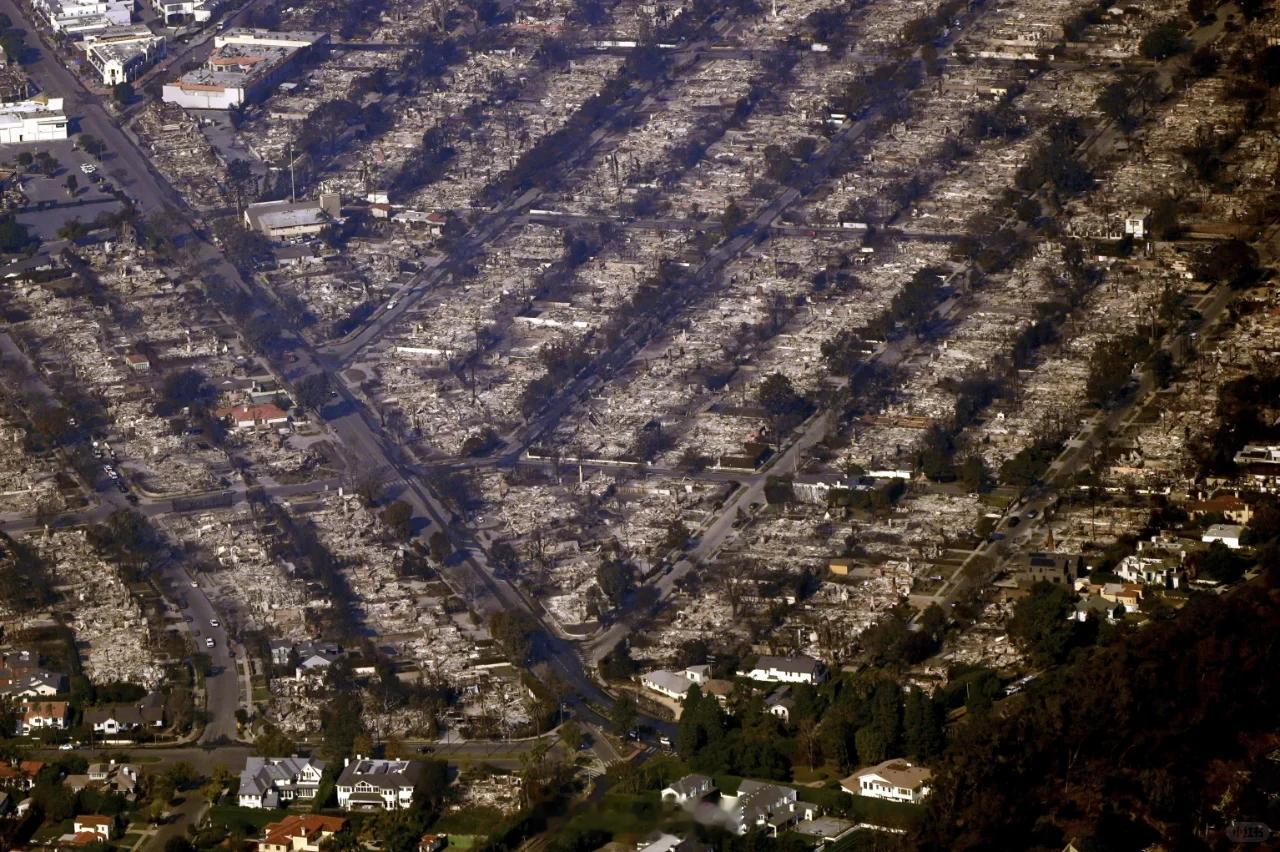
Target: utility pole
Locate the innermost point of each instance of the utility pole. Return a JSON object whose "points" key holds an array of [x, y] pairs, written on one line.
{"points": [[293, 185]]}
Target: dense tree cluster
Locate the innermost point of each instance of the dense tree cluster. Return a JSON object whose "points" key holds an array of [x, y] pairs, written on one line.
{"points": [[1136, 742]]}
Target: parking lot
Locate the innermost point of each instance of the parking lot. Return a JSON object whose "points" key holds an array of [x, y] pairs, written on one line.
{"points": [[52, 204]]}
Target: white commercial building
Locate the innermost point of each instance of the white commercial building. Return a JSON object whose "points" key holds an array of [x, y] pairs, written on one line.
{"points": [[198, 11], [245, 66], [39, 119], [74, 17], [122, 54]]}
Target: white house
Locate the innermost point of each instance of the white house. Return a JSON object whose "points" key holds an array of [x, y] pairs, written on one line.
{"points": [[691, 788], [1228, 534], [794, 669], [38, 685], [93, 824], [1137, 225], [1151, 571], [894, 780], [368, 784], [110, 721], [268, 782], [264, 416], [37, 715], [779, 704], [759, 804], [673, 685]]}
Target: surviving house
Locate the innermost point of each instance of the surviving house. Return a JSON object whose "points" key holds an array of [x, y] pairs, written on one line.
{"points": [[368, 784], [266, 782], [770, 807], [794, 669], [895, 780], [690, 788], [299, 833], [42, 715], [109, 721]]}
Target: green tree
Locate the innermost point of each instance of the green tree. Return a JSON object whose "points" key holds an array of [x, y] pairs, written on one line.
{"points": [[1233, 262], [616, 578], [886, 713], [623, 714], [313, 391], [1219, 563], [1110, 368], [122, 93], [399, 519], [240, 182], [571, 735], [871, 744], [922, 727], [1162, 41], [974, 474], [1115, 102], [90, 144], [1040, 622], [514, 631], [14, 46], [273, 742], [440, 547]]}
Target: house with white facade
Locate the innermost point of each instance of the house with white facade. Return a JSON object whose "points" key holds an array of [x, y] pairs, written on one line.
{"points": [[673, 685], [111, 721], [268, 782], [35, 685], [369, 784], [691, 788], [1228, 534], [794, 669], [761, 805], [893, 780], [34, 715]]}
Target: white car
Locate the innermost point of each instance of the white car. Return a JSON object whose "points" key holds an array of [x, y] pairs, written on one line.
{"points": [[209, 642], [88, 168], [391, 304], [213, 622], [194, 584]]}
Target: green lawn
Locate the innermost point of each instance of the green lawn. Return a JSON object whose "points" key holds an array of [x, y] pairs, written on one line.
{"points": [[469, 821], [880, 812], [250, 819]]}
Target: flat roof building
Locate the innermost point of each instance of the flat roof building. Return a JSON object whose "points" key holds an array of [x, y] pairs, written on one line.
{"points": [[72, 17], [123, 54], [39, 119], [244, 67], [282, 219]]}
